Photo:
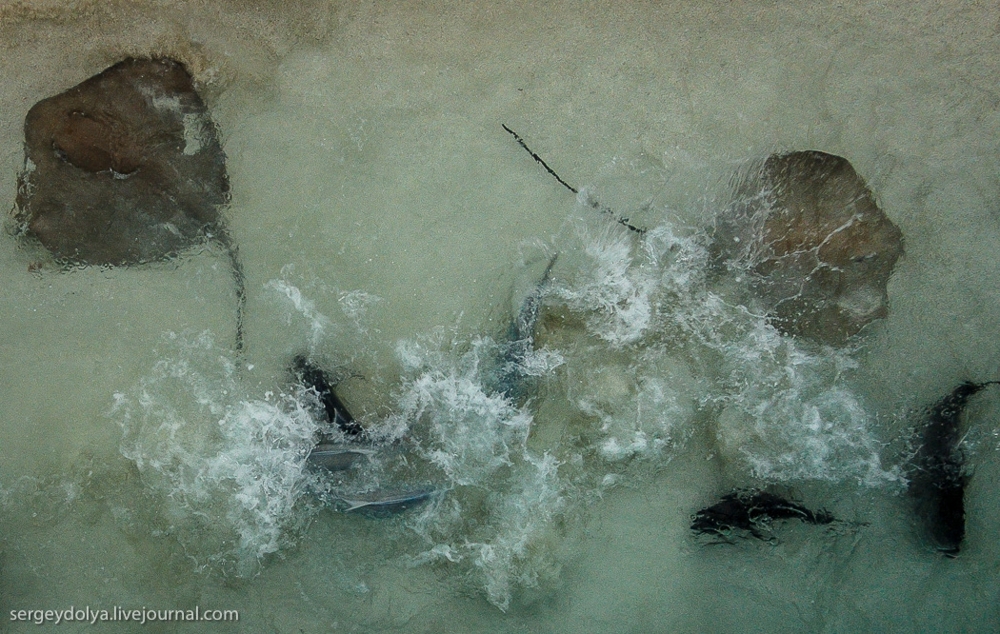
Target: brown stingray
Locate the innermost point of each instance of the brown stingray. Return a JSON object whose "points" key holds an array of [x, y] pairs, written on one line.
{"points": [[817, 248], [125, 168]]}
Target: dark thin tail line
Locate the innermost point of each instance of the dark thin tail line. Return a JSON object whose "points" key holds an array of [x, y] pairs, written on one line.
{"points": [[240, 284], [539, 159], [622, 220]]}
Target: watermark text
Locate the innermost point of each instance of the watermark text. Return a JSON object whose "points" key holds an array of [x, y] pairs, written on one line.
{"points": [[143, 615]]}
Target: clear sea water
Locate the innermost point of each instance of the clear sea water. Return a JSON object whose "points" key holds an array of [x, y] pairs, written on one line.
{"points": [[390, 228]]}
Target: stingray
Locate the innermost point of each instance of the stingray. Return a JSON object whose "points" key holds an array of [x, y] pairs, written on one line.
{"points": [[333, 454], [126, 168], [817, 248], [347, 442]]}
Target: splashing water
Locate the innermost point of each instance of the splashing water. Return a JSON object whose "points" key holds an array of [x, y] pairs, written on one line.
{"points": [[318, 322], [662, 343], [227, 468], [787, 411], [502, 496]]}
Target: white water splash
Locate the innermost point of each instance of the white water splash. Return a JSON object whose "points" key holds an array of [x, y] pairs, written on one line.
{"points": [[227, 468]]}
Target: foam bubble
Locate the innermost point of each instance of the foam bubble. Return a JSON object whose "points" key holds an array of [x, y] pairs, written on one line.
{"points": [[612, 288], [318, 322]]}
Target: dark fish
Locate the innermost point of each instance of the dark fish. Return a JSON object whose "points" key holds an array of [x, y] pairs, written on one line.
{"points": [[520, 341], [938, 483], [337, 457], [382, 503], [342, 456], [751, 510], [312, 377]]}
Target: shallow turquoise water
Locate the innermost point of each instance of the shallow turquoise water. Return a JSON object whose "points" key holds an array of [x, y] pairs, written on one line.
{"points": [[385, 217]]}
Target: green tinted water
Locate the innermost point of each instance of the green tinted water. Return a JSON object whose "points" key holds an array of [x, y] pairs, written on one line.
{"points": [[384, 216]]}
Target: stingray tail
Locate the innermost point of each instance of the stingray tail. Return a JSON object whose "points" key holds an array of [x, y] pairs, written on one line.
{"points": [[604, 209], [240, 286]]}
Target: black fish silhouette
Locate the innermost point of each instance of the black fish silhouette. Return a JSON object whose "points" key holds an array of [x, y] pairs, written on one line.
{"points": [[938, 483], [313, 377], [751, 510]]}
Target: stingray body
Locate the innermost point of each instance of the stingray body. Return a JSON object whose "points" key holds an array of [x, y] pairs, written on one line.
{"points": [[817, 248], [125, 168], [938, 482]]}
